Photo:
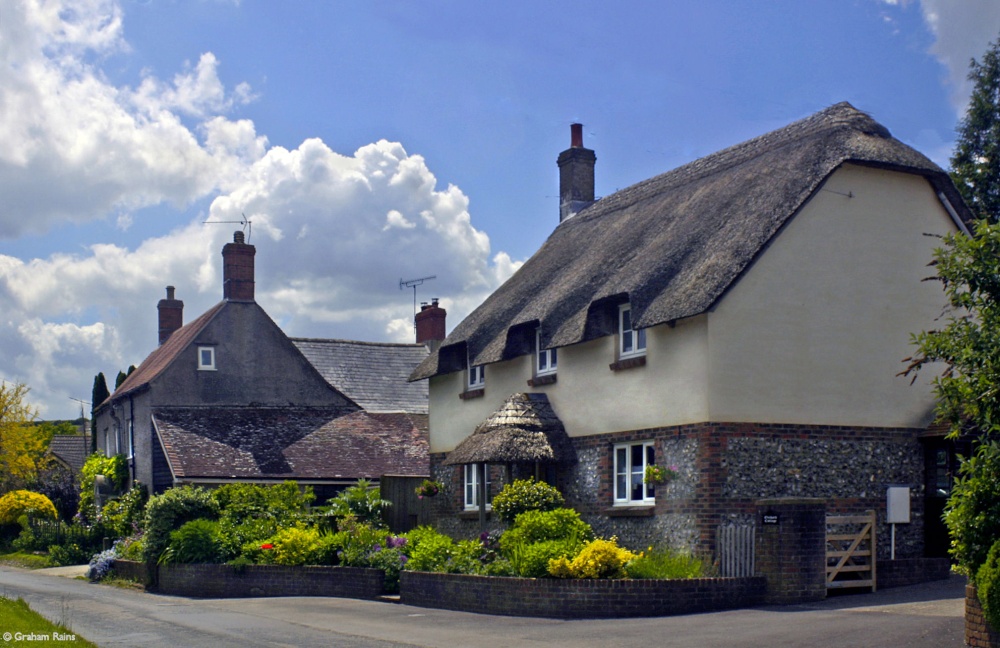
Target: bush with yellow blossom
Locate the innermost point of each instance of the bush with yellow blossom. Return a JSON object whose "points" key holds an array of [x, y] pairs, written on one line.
{"points": [[598, 559]]}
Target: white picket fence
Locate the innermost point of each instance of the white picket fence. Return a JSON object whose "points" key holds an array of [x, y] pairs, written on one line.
{"points": [[735, 549]]}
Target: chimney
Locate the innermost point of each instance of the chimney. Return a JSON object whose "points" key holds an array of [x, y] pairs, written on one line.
{"points": [[237, 269], [430, 324], [576, 175], [171, 314]]}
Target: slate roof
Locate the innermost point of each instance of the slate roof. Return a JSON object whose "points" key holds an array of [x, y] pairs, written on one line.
{"points": [[524, 429], [71, 449], [323, 444], [372, 374], [673, 244]]}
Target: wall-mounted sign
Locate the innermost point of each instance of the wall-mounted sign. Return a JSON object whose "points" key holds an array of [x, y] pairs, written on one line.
{"points": [[771, 518]]}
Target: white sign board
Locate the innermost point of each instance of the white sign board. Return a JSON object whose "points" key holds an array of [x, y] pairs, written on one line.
{"points": [[898, 505]]}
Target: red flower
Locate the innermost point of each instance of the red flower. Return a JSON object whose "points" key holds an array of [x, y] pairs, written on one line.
{"points": [[267, 546]]}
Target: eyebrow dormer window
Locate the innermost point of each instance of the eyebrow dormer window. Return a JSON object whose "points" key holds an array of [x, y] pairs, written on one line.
{"points": [[206, 358], [632, 342], [545, 359]]}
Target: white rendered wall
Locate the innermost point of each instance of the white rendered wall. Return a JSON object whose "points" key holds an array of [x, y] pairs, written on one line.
{"points": [[817, 329], [588, 397]]}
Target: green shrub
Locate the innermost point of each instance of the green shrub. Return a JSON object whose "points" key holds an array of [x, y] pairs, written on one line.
{"points": [[70, 554], [429, 550], [538, 526], [525, 495], [532, 560], [126, 514], [296, 545], [596, 559], [664, 563], [197, 541], [167, 512], [363, 501], [973, 511], [988, 585], [114, 468], [284, 502]]}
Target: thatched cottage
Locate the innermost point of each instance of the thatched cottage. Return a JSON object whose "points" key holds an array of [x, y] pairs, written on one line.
{"points": [[741, 319]]}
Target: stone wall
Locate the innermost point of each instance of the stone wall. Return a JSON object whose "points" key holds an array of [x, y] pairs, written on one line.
{"points": [[723, 468], [578, 599]]}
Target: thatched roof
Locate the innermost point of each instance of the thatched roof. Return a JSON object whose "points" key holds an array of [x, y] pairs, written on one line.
{"points": [[673, 244], [524, 429]]}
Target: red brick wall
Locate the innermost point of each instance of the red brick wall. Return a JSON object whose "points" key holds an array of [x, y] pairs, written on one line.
{"points": [[578, 599]]}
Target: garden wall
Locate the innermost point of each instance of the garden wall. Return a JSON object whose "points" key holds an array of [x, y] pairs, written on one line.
{"points": [[578, 599], [978, 632], [910, 571], [226, 581]]}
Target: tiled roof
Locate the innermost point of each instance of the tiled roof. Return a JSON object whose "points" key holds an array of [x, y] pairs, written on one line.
{"points": [[372, 374], [291, 443], [72, 449]]}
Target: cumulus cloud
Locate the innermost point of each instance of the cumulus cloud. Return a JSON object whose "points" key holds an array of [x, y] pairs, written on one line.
{"points": [[963, 31], [335, 232], [76, 148]]}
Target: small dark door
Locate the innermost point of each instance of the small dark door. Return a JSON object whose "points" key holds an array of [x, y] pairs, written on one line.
{"points": [[941, 458]]}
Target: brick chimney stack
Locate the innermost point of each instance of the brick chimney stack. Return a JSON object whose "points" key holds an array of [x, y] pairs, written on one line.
{"points": [[171, 313], [430, 323], [237, 269], [576, 175]]}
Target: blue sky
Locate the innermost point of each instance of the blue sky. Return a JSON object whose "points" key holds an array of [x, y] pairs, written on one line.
{"points": [[369, 142]]}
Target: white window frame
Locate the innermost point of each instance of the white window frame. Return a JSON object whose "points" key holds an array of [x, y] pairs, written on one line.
{"points": [[475, 376], [128, 441], [628, 486], [206, 366], [107, 442], [546, 360], [631, 341], [470, 482]]}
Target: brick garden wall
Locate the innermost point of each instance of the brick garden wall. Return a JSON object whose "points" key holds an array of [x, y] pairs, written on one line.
{"points": [[978, 633], [225, 581], [910, 571], [578, 599]]}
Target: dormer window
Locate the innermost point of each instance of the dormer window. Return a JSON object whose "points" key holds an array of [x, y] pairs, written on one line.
{"points": [[631, 342], [206, 358], [545, 359], [477, 377]]}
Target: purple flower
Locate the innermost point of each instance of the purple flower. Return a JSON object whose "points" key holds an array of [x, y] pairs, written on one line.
{"points": [[378, 548], [402, 559]]}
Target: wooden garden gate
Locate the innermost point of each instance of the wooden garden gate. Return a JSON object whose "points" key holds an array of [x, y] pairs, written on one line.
{"points": [[850, 551]]}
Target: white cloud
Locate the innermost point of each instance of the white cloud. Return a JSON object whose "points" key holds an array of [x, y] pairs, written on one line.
{"points": [[75, 148], [334, 232], [963, 31]]}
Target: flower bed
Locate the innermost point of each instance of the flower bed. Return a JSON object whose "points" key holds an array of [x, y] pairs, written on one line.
{"points": [[578, 598]]}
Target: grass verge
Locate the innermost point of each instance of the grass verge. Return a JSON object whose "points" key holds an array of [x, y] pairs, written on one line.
{"points": [[20, 625], [26, 560]]}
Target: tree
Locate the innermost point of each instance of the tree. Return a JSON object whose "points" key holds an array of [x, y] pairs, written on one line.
{"points": [[23, 445], [98, 395], [968, 389], [976, 161]]}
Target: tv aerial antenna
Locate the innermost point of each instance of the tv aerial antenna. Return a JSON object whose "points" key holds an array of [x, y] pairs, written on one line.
{"points": [[245, 222], [413, 283]]}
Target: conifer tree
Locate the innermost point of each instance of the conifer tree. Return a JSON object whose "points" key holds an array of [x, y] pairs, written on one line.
{"points": [[99, 394], [976, 161]]}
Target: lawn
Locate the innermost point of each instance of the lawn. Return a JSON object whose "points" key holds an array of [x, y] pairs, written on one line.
{"points": [[20, 624], [25, 560]]}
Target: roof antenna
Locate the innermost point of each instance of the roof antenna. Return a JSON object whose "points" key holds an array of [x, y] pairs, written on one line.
{"points": [[246, 223], [413, 283]]}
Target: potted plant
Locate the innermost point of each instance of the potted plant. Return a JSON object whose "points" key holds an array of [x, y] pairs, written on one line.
{"points": [[429, 488], [656, 475]]}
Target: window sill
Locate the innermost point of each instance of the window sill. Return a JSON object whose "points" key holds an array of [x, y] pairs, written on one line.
{"points": [[538, 381], [473, 393], [630, 511], [628, 363], [472, 514]]}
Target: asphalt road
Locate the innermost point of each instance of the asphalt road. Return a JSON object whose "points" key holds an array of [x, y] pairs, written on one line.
{"points": [[921, 616]]}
